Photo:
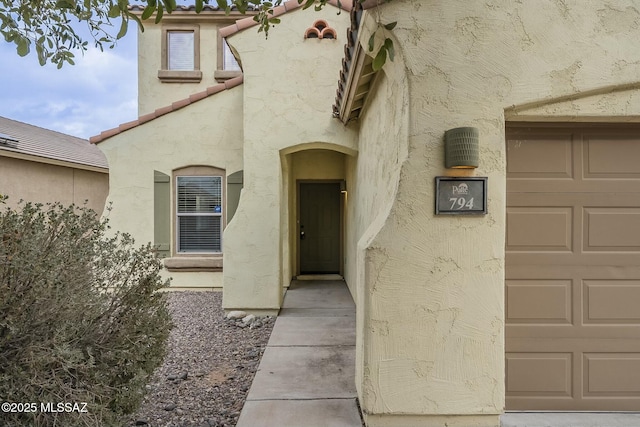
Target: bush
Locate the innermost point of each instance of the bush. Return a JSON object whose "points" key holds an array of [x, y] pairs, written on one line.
{"points": [[81, 318]]}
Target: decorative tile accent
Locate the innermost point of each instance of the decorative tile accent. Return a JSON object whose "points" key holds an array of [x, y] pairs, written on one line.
{"points": [[320, 30]]}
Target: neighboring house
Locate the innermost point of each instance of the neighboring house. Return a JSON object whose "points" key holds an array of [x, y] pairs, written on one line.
{"points": [[554, 91], [40, 165]]}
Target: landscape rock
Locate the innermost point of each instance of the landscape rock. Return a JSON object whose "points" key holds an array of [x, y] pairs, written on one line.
{"points": [[236, 314], [249, 319], [209, 367]]}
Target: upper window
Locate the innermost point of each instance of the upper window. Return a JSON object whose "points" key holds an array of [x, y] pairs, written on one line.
{"points": [[180, 54], [199, 214], [229, 62], [228, 67], [180, 50]]}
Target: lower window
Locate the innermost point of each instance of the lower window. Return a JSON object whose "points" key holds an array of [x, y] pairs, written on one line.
{"points": [[199, 214]]}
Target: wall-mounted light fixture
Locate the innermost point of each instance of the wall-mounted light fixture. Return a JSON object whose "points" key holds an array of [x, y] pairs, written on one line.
{"points": [[461, 148]]}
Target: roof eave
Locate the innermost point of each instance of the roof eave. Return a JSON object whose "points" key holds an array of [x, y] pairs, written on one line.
{"points": [[51, 161], [357, 74]]}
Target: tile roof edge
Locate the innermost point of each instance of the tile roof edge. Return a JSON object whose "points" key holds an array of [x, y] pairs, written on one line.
{"points": [[66, 135], [53, 160], [285, 7], [159, 112]]}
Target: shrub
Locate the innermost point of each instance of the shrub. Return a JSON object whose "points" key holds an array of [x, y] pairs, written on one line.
{"points": [[81, 318]]}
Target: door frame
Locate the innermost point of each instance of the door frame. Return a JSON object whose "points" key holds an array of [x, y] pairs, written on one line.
{"points": [[299, 182]]}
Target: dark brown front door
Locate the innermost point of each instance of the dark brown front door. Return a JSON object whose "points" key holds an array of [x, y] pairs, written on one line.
{"points": [[319, 231]]}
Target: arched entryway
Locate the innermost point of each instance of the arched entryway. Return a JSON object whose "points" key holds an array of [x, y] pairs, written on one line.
{"points": [[315, 177]]}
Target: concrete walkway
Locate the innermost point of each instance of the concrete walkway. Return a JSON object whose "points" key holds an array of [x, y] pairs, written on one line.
{"points": [[307, 374], [306, 377]]}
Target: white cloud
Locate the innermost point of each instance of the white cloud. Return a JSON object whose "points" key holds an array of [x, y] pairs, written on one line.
{"points": [[96, 94]]}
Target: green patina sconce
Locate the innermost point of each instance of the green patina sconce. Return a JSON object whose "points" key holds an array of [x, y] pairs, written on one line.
{"points": [[461, 148]]}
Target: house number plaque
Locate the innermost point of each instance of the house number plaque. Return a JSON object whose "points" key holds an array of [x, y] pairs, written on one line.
{"points": [[461, 196]]}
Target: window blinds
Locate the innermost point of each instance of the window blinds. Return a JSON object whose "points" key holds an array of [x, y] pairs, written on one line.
{"points": [[230, 63], [180, 55], [199, 209]]}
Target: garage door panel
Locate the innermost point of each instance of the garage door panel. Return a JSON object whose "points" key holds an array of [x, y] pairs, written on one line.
{"points": [[539, 302], [535, 374], [611, 374], [612, 302], [551, 155], [611, 157], [572, 287], [539, 229], [572, 334], [611, 229], [609, 264]]}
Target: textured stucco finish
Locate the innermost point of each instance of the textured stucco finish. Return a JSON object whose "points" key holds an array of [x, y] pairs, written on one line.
{"points": [[429, 289], [40, 182], [208, 133], [152, 92], [289, 87], [430, 307]]}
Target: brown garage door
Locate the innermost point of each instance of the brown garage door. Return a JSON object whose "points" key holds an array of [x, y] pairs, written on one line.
{"points": [[573, 267]]}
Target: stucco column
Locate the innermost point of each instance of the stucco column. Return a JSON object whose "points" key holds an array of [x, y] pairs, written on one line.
{"points": [[252, 239]]}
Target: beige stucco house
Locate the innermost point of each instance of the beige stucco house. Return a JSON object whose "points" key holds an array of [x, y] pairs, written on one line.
{"points": [[309, 162], [44, 166]]}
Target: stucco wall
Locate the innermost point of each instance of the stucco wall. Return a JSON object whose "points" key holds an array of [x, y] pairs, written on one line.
{"points": [[433, 296], [206, 133], [289, 88], [154, 93], [45, 183], [372, 182]]}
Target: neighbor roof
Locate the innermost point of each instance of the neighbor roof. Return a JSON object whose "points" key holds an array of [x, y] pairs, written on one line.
{"points": [[26, 139]]}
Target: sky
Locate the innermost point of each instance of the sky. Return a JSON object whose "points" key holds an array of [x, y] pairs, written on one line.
{"points": [[98, 93]]}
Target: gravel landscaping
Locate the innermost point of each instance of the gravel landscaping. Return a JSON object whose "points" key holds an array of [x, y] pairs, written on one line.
{"points": [[209, 367]]}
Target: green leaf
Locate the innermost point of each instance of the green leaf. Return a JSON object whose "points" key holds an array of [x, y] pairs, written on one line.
{"points": [[114, 11], [23, 47], [65, 4], [223, 4], [380, 59], [241, 5], [372, 39], [391, 25], [123, 29], [199, 6], [42, 56], [308, 4], [171, 5], [274, 20], [138, 21], [391, 51], [160, 13], [148, 11]]}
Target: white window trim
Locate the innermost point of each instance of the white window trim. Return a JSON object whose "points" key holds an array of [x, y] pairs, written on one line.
{"points": [[214, 214]]}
